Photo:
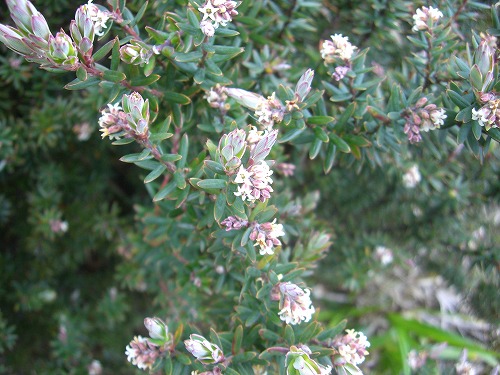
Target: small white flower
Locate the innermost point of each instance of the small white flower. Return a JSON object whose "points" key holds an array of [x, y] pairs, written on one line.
{"points": [[384, 255], [352, 347], [97, 16], [412, 177], [204, 350]]}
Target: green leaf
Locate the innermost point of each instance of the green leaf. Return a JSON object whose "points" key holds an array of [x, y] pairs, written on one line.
{"points": [[144, 81], [219, 207], [330, 157], [175, 97], [78, 84], [237, 340], [340, 143], [289, 335], [348, 112], [215, 167], [288, 136], [81, 74], [194, 56], [155, 173], [457, 99], [114, 76], [166, 191], [319, 120], [183, 150], [476, 78], [132, 158], [212, 183], [139, 15], [104, 50], [332, 332]]}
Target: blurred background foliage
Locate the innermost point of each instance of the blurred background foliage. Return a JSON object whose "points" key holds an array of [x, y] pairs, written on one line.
{"points": [[72, 295]]}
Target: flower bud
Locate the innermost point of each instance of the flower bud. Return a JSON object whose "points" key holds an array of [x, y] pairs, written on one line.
{"points": [[204, 351], [484, 58], [135, 53], [62, 49], [157, 328], [304, 85], [137, 112], [245, 98], [298, 362], [28, 18], [231, 149]]}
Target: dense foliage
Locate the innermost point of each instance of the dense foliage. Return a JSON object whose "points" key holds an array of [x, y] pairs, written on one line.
{"points": [[285, 170]]}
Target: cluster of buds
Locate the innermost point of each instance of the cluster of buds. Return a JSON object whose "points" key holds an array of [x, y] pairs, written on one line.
{"points": [[137, 113], [294, 303], [216, 13], [425, 18], [217, 97], [269, 111], [302, 89], [351, 347], [266, 236], [137, 53], [488, 116], [231, 148], [62, 49], [33, 39], [422, 117], [299, 362], [412, 177], [143, 352], [203, 350], [234, 223], [337, 48], [83, 131]]}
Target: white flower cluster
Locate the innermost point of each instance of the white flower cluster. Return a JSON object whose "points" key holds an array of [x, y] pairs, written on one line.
{"points": [[295, 304], [142, 353], [97, 16], [266, 236], [338, 47], [435, 118], [384, 255], [109, 120], [216, 13], [268, 111], [488, 115], [254, 182], [412, 177], [352, 347], [425, 17]]}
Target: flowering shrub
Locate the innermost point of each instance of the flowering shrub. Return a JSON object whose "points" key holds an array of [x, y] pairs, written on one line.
{"points": [[234, 111]]}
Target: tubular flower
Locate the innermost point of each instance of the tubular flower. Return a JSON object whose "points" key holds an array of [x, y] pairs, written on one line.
{"points": [[97, 16]]}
